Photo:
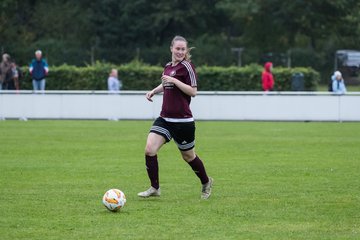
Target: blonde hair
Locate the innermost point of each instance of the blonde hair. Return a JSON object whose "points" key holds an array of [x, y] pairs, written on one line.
{"points": [[114, 73], [180, 38]]}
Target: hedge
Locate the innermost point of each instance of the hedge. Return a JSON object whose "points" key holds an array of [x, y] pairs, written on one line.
{"points": [[137, 76]]}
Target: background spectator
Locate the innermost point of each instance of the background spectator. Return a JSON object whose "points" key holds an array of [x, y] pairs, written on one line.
{"points": [[114, 84], [16, 75], [338, 84], [5, 71], [39, 70], [267, 77]]}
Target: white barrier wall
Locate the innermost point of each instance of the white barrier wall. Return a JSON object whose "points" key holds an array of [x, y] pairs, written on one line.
{"points": [[284, 106]]}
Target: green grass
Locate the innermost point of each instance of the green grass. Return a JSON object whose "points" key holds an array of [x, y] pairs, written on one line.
{"points": [[273, 180]]}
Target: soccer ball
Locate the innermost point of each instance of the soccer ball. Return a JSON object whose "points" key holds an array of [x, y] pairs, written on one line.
{"points": [[114, 199]]}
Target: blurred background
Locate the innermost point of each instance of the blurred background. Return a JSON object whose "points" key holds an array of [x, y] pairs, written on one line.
{"points": [[294, 33]]}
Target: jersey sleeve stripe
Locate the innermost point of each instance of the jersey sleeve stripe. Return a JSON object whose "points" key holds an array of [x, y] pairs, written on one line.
{"points": [[191, 73]]}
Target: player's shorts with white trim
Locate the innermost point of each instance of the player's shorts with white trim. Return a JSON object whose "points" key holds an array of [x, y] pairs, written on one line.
{"points": [[182, 132]]}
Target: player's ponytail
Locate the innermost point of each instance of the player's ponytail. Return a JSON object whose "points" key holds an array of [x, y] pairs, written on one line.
{"points": [[188, 55], [180, 38]]}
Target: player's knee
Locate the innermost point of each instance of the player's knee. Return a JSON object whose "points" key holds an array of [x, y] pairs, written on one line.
{"points": [[188, 156], [187, 159], [150, 150]]}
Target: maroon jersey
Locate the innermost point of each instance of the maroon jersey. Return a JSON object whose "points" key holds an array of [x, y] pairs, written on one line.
{"points": [[176, 104]]}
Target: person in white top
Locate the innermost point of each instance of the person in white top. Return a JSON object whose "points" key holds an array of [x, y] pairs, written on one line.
{"points": [[338, 84], [114, 84]]}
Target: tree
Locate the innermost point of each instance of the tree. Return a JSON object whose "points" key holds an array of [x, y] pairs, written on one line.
{"points": [[117, 31]]}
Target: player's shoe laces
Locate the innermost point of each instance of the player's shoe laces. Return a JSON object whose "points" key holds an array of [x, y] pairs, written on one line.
{"points": [[151, 192], [206, 189]]}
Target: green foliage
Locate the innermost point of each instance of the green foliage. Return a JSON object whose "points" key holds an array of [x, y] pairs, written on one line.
{"points": [[272, 181], [248, 78], [139, 76], [230, 78], [117, 31], [283, 78]]}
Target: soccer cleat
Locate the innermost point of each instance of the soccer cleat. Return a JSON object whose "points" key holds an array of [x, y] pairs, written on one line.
{"points": [[206, 189], [151, 192]]}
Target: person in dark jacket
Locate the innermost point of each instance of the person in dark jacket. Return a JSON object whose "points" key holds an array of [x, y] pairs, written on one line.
{"points": [[267, 77], [39, 69]]}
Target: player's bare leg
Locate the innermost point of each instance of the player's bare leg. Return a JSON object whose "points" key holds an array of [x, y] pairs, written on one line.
{"points": [[153, 144], [198, 167]]}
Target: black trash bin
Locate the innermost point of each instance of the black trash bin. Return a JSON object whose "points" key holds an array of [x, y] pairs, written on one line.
{"points": [[297, 82]]}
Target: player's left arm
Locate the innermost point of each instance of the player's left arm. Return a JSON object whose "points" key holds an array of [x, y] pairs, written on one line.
{"points": [[187, 89]]}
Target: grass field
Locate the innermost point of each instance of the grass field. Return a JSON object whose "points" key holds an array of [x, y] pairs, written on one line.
{"points": [[273, 180]]}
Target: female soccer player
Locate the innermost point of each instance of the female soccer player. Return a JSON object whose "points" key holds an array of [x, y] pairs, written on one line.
{"points": [[176, 120]]}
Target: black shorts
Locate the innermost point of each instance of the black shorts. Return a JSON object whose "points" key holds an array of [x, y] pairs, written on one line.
{"points": [[182, 132]]}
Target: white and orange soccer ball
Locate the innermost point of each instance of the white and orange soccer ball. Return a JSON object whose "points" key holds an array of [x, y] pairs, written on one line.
{"points": [[114, 199]]}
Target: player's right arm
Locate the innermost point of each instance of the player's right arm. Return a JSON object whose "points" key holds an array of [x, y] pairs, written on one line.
{"points": [[156, 90]]}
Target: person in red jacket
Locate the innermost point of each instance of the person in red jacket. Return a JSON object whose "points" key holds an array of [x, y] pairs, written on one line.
{"points": [[267, 77]]}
